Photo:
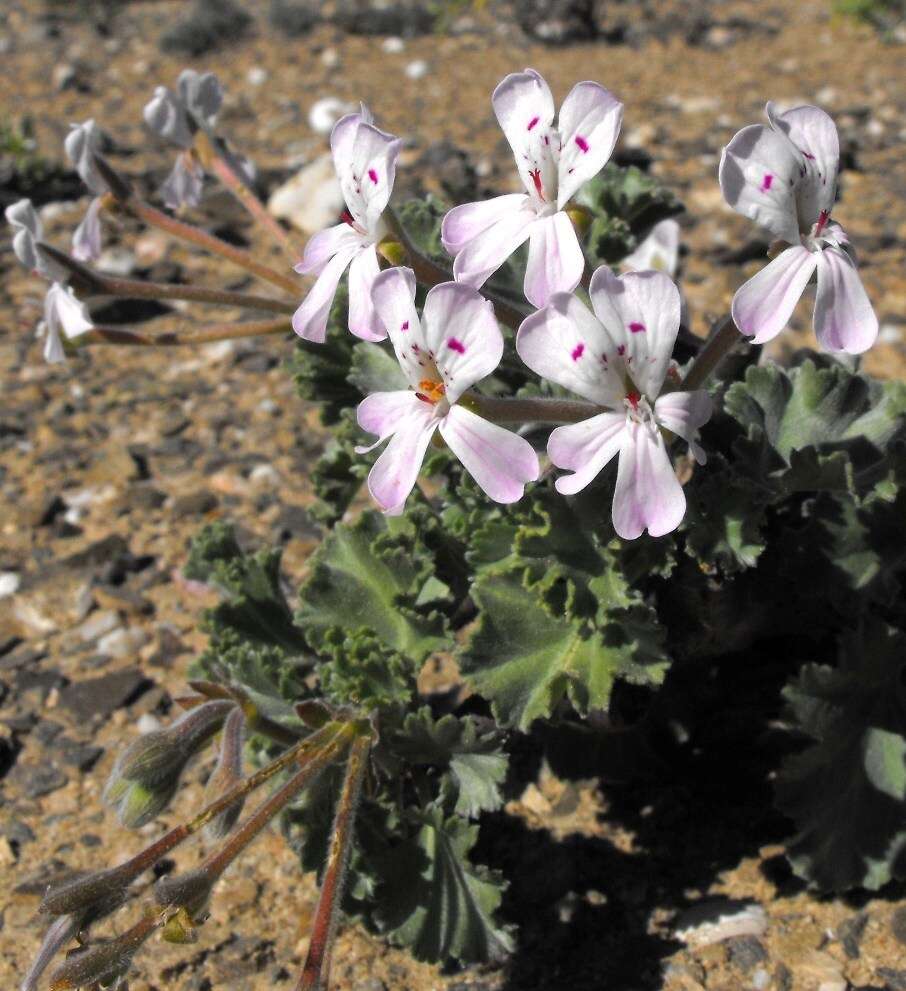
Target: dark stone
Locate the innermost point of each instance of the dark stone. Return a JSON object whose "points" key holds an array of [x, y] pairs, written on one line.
{"points": [[894, 979], [404, 19], [35, 780], [46, 731], [82, 756], [129, 311], [783, 977], [850, 931], [49, 510], [556, 22], [256, 361], [293, 17], [21, 723], [295, 521], [898, 925], [746, 952], [755, 249], [143, 497], [102, 552], [450, 166], [169, 647], [91, 840], [18, 832], [193, 504], [99, 697], [40, 681], [210, 24], [9, 751]]}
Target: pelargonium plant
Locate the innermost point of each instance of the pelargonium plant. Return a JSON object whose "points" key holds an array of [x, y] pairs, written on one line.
{"points": [[574, 497]]}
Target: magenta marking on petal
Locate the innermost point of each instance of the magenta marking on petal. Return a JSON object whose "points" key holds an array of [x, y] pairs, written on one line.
{"points": [[415, 348], [637, 328], [405, 325], [454, 345], [577, 351], [621, 350], [766, 182], [582, 143], [547, 139], [372, 175], [533, 122], [808, 154]]}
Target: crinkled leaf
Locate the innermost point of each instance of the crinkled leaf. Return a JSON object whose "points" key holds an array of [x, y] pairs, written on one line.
{"points": [[846, 792], [362, 672], [435, 901], [375, 369], [369, 575]]}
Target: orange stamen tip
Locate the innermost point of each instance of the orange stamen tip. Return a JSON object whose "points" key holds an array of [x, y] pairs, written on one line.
{"points": [[430, 391]]}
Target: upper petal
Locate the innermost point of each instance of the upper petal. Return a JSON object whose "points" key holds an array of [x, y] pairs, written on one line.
{"points": [[393, 295], [589, 124], [365, 160], [81, 145], [759, 170], [658, 251], [462, 336], [814, 135], [201, 94], [86, 238], [523, 104], [555, 259], [183, 186], [165, 115], [648, 494], [22, 215], [585, 448], [641, 311], [844, 317], [480, 258], [684, 413], [394, 473], [566, 344], [500, 461], [321, 247], [64, 313], [364, 321], [762, 306], [463, 223], [310, 319]]}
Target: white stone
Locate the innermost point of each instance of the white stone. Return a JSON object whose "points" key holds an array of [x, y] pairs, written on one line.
{"points": [[117, 261], [417, 69], [99, 624], [326, 112], [330, 57], [257, 76], [123, 642], [9, 583], [311, 200], [264, 476], [393, 46], [147, 723], [890, 333], [714, 921]]}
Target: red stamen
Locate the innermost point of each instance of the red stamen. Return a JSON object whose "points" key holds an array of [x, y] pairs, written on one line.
{"points": [[823, 218], [347, 218], [633, 398], [536, 179]]}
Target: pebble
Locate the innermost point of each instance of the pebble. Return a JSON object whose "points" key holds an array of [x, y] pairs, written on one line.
{"points": [[714, 921], [147, 723], [257, 76], [117, 261], [9, 583], [37, 780], [898, 925], [417, 69], [326, 112], [312, 199], [99, 697], [123, 642], [330, 57], [392, 45], [98, 624]]}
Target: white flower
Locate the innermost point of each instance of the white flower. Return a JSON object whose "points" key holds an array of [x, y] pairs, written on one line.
{"points": [[64, 317]]}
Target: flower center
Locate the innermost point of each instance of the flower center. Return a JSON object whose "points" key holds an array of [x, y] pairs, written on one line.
{"points": [[430, 391], [638, 409]]}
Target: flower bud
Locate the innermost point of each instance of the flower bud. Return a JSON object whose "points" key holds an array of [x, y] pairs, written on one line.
{"points": [[226, 775], [190, 891], [392, 251], [87, 897], [147, 774], [103, 963]]}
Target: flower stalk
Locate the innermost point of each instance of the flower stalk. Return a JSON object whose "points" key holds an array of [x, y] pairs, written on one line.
{"points": [[184, 335]]}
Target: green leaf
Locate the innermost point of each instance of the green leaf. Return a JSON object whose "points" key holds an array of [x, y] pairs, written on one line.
{"points": [[362, 672], [846, 792], [474, 759], [526, 660], [369, 575], [375, 369], [435, 901]]}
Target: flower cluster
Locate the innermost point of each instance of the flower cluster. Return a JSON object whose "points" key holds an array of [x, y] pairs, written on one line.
{"points": [[617, 355]]}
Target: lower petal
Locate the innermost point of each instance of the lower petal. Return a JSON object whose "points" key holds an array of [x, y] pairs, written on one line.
{"points": [[500, 461], [321, 247], [763, 306], [86, 240], [310, 319], [844, 317], [464, 223], [480, 258], [585, 448], [382, 412], [364, 321], [555, 259], [648, 494], [394, 473]]}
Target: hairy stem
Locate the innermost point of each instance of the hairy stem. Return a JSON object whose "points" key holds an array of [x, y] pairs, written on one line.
{"points": [[429, 273], [719, 345], [185, 335], [315, 974], [506, 410], [214, 158], [124, 195], [256, 721]]}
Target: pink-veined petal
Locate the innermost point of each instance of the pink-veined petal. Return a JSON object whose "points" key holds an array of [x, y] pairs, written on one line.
{"points": [[382, 413], [321, 247], [759, 172], [165, 115], [762, 307], [310, 319], [364, 321], [462, 336], [393, 295], [684, 413], [555, 259], [659, 251], [463, 223], [394, 473], [566, 344], [484, 254], [86, 238], [844, 317], [81, 145], [501, 462], [589, 124], [647, 494], [814, 134], [523, 105], [365, 161], [585, 448], [641, 311], [183, 186]]}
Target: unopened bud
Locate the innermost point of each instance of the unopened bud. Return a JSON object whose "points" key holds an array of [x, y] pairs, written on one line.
{"points": [[104, 963], [392, 251], [226, 775], [179, 929], [147, 774], [580, 218], [88, 897], [61, 931], [190, 891]]}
